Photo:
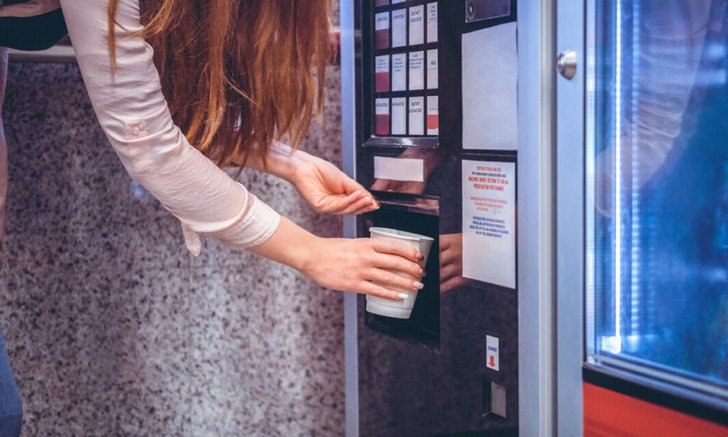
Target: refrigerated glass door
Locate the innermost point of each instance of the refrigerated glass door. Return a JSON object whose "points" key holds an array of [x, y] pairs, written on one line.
{"points": [[657, 192]]}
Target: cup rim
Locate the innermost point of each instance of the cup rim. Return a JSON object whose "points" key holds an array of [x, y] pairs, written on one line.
{"points": [[411, 236]]}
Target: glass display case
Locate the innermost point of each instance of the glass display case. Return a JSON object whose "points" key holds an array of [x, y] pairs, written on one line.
{"points": [[657, 195]]}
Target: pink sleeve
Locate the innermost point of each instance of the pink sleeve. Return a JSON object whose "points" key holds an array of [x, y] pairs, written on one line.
{"points": [[134, 115]]}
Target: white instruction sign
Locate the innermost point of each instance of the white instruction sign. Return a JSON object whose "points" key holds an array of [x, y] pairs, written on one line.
{"points": [[489, 222]]}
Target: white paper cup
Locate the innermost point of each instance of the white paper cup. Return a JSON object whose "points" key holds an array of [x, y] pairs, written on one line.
{"points": [[390, 308]]}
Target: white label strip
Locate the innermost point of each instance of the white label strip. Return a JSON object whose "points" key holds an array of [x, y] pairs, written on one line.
{"points": [[399, 116], [417, 116], [432, 22], [433, 116], [399, 72], [417, 70], [432, 75], [382, 21], [399, 169], [417, 25], [399, 28]]}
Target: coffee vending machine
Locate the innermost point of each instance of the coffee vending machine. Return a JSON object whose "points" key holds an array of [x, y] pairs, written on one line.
{"points": [[567, 161], [434, 128]]}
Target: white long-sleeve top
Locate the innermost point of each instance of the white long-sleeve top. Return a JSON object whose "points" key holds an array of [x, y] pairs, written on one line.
{"points": [[133, 113]]}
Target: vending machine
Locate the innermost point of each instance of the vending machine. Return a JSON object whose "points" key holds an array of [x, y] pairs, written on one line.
{"points": [[431, 125], [568, 162]]}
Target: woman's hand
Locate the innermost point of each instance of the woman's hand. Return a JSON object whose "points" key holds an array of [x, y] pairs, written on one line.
{"points": [[327, 189], [363, 265], [451, 262]]}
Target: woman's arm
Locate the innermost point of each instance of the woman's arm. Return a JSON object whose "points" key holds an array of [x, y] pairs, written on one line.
{"points": [[131, 109]]}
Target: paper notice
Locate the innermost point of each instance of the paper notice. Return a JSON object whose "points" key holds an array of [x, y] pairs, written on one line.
{"points": [[489, 222], [490, 111]]}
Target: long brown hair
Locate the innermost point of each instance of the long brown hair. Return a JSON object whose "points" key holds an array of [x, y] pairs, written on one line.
{"points": [[238, 74]]}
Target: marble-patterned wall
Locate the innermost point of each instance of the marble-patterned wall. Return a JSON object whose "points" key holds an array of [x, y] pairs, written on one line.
{"points": [[114, 329]]}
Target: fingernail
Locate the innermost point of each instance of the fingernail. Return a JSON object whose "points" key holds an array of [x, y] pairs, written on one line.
{"points": [[422, 271], [419, 256], [418, 285], [403, 296]]}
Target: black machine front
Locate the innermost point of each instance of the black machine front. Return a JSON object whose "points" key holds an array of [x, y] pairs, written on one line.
{"points": [[452, 366]]}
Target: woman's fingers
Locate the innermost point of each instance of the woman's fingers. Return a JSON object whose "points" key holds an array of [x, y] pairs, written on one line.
{"points": [[394, 280], [398, 264], [449, 257], [396, 248], [363, 203], [335, 203], [379, 291], [448, 271]]}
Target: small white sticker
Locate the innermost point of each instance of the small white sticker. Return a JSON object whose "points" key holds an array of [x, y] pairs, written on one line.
{"points": [[492, 353]]}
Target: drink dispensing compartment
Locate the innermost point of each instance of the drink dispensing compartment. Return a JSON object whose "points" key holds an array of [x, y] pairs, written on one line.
{"points": [[432, 146]]}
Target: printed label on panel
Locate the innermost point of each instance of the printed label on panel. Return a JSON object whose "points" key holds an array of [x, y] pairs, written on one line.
{"points": [[433, 118], [432, 22], [416, 25], [416, 116], [399, 28], [381, 117], [381, 30], [399, 116], [381, 74], [492, 353], [417, 70], [399, 72], [432, 72]]}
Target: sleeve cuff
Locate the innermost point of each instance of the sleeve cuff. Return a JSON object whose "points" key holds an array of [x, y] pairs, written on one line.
{"points": [[257, 224]]}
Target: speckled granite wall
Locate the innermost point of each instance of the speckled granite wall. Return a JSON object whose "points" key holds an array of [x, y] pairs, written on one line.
{"points": [[114, 329]]}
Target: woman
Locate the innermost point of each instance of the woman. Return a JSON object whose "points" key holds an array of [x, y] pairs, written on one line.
{"points": [[237, 76]]}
